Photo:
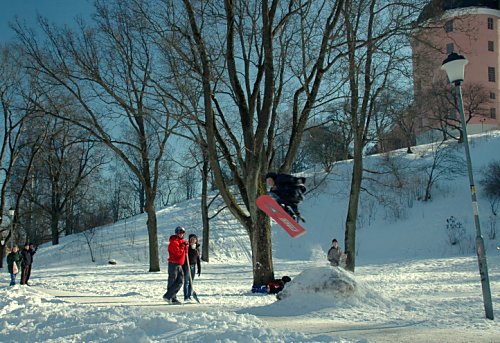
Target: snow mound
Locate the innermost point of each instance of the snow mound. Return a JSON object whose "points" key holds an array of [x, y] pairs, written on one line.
{"points": [[319, 288], [328, 281]]}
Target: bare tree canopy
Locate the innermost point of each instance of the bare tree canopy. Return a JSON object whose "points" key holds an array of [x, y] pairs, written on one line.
{"points": [[109, 80], [235, 77]]}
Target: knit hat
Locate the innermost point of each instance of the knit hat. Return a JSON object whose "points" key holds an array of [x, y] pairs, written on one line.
{"points": [[271, 175]]}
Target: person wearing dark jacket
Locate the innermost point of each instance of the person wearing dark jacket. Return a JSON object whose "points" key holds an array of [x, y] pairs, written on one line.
{"points": [[273, 287], [27, 254], [177, 249], [277, 285], [288, 191], [14, 259], [193, 255], [335, 254]]}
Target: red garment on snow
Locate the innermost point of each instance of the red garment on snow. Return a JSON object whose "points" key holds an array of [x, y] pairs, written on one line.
{"points": [[177, 250]]}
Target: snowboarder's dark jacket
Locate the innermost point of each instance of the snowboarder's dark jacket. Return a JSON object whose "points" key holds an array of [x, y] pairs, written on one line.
{"points": [[288, 188]]}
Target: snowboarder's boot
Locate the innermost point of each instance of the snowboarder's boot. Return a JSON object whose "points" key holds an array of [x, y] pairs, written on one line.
{"points": [[294, 214]]}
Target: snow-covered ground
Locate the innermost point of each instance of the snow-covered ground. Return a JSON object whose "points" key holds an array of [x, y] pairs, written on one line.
{"points": [[410, 285]]}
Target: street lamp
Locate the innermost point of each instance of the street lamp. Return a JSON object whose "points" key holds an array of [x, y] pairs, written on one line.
{"points": [[454, 66], [11, 215], [482, 120]]}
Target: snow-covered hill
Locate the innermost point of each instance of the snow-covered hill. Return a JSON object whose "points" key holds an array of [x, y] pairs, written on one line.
{"points": [[410, 284]]}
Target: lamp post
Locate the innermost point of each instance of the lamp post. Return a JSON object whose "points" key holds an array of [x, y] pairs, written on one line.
{"points": [[454, 66], [482, 120], [11, 215]]}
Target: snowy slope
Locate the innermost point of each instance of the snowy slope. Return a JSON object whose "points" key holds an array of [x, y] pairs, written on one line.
{"points": [[410, 285]]}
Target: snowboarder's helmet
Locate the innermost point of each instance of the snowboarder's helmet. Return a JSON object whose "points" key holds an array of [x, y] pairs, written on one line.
{"points": [[179, 229], [270, 175]]}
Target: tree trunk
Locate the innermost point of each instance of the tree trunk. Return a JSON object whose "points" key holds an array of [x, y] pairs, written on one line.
{"points": [[149, 207], [54, 222], [154, 259], [204, 212], [352, 211], [262, 257], [2, 253], [142, 198]]}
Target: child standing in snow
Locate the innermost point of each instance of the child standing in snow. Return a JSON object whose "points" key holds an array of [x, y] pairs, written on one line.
{"points": [[193, 256]]}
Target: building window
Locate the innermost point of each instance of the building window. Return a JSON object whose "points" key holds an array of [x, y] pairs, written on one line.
{"points": [[448, 26], [493, 95], [491, 74], [491, 46], [490, 23], [450, 48], [453, 114], [493, 113]]}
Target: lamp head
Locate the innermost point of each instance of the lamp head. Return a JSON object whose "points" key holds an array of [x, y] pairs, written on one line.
{"points": [[454, 66]]}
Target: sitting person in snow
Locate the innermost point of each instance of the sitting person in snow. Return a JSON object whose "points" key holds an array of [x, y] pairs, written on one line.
{"points": [[288, 191], [272, 287]]}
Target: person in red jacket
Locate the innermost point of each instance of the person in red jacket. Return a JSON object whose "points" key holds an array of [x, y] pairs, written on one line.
{"points": [[176, 257]]}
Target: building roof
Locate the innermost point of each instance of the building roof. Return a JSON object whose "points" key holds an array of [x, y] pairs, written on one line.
{"points": [[436, 7]]}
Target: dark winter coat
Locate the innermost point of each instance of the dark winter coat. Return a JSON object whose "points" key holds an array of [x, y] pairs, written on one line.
{"points": [[27, 255], [194, 257], [14, 257], [177, 250], [275, 287], [288, 188], [334, 255]]}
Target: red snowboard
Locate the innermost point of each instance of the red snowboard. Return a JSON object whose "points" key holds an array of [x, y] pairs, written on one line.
{"points": [[267, 204]]}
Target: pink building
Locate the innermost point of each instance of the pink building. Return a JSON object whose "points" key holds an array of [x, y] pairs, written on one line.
{"points": [[469, 28]]}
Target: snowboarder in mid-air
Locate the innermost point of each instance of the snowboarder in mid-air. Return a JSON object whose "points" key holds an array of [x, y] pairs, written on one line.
{"points": [[288, 191]]}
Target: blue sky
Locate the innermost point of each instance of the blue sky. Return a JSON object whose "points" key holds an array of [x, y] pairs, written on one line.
{"points": [[58, 11]]}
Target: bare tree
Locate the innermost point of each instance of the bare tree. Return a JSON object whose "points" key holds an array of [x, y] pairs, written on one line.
{"points": [[375, 33], [17, 140], [68, 158], [406, 121], [490, 183], [325, 145], [444, 164], [441, 101], [242, 66], [120, 90]]}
